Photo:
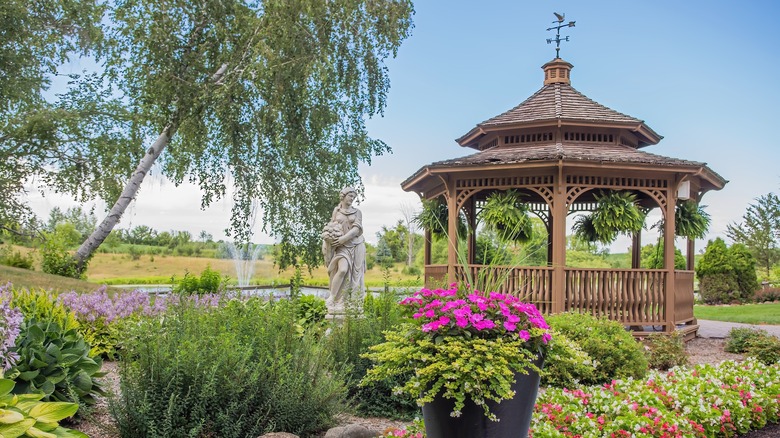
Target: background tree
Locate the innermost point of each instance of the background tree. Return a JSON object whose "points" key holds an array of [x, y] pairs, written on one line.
{"points": [[652, 257], [409, 213], [759, 230], [37, 37], [274, 95], [726, 274]]}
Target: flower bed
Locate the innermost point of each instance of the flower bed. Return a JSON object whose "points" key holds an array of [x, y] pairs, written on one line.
{"points": [[706, 401]]}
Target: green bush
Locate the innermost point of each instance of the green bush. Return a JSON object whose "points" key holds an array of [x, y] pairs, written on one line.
{"points": [[55, 360], [210, 281], [725, 274], [666, 350], [42, 306], [616, 353], [15, 259], [311, 310], [55, 258], [754, 343], [238, 370], [566, 364], [738, 339], [765, 348], [718, 289], [351, 337]]}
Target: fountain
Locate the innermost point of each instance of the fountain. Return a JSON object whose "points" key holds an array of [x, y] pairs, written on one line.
{"points": [[244, 258]]}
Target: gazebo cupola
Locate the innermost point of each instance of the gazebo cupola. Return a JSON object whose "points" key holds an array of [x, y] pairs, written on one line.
{"points": [[559, 148]]}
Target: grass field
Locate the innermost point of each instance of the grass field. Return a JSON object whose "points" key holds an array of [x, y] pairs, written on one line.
{"points": [[24, 278], [767, 313], [114, 269]]}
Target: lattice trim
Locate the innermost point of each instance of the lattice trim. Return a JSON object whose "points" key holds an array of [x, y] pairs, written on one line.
{"points": [[615, 182], [463, 196], [503, 182], [658, 196]]}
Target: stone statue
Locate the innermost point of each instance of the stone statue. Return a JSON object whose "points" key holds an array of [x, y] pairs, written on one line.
{"points": [[344, 249]]}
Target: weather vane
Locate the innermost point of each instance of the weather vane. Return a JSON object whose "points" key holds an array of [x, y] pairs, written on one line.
{"points": [[559, 24]]}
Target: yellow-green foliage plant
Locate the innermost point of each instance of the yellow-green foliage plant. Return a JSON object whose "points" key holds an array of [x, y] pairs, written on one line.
{"points": [[39, 304], [25, 415]]}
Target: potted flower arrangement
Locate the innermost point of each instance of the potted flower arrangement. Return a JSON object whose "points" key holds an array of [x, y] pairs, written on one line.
{"points": [[473, 359]]}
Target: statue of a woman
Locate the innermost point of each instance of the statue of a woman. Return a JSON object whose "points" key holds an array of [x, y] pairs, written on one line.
{"points": [[345, 253]]}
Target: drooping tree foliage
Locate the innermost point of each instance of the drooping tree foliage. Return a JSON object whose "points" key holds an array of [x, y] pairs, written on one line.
{"points": [[261, 101], [36, 38]]}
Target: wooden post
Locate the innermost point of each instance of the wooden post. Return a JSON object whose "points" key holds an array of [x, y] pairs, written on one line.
{"points": [[472, 230], [636, 250], [452, 231], [671, 201], [558, 218], [690, 254]]}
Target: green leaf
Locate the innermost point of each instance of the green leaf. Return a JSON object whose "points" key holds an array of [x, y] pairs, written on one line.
{"points": [[47, 387], [37, 433], [89, 366], [35, 334], [83, 381], [46, 427], [62, 432], [16, 429], [29, 375], [48, 412], [6, 386], [54, 351], [9, 417]]}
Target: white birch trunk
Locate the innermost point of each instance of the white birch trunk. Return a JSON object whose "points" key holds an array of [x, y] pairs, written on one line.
{"points": [[85, 251]]}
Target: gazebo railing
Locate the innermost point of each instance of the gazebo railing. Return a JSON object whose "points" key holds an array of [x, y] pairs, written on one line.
{"points": [[630, 296], [634, 297], [683, 297]]}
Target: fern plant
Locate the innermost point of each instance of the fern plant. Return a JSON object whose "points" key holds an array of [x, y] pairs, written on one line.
{"points": [[690, 220], [616, 213], [505, 213], [434, 217]]}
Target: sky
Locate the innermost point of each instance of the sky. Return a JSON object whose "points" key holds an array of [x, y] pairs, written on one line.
{"points": [[700, 73]]}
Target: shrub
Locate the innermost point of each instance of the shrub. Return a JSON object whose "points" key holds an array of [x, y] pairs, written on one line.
{"points": [[56, 361], [15, 259], [666, 350], [209, 282], [738, 339], [351, 337], [616, 353], [754, 343], [40, 305], [566, 364], [101, 317], [764, 348], [26, 415], [768, 295], [718, 288], [55, 258], [311, 310], [726, 274], [237, 370]]}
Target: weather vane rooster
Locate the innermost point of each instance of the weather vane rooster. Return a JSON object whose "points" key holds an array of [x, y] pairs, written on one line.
{"points": [[559, 24]]}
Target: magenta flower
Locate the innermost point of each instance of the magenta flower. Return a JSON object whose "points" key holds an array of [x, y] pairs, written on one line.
{"points": [[524, 335]]}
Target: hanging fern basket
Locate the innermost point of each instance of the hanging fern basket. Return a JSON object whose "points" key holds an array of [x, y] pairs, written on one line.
{"points": [[507, 214], [616, 213], [690, 220]]}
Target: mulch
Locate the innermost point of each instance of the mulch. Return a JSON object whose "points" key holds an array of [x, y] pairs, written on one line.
{"points": [[770, 431]]}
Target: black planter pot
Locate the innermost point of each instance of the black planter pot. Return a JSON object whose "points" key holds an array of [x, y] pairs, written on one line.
{"points": [[514, 414]]}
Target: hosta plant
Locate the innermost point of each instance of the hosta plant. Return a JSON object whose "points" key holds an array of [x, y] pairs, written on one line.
{"points": [[24, 415], [462, 344], [56, 362]]}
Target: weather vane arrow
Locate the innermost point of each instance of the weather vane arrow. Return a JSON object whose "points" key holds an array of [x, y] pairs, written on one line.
{"points": [[559, 24]]}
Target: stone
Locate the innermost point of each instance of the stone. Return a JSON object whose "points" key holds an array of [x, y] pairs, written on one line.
{"points": [[351, 431], [279, 435], [344, 250]]}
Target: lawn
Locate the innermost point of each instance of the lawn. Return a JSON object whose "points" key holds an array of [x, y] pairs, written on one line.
{"points": [[766, 313], [23, 278]]}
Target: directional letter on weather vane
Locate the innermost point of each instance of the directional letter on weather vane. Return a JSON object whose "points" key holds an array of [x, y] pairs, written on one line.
{"points": [[559, 24]]}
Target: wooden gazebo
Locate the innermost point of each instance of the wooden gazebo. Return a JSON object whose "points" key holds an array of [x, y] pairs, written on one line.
{"points": [[560, 148]]}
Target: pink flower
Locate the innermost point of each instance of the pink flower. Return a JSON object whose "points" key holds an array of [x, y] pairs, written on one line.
{"points": [[461, 322], [524, 335], [484, 324], [546, 338], [430, 313], [509, 326]]}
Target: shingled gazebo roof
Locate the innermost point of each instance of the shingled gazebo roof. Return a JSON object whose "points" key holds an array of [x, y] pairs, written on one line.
{"points": [[556, 106]]}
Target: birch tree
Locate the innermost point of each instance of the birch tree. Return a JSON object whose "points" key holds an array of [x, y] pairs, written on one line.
{"points": [[267, 98]]}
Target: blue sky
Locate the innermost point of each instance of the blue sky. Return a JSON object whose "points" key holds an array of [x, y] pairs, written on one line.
{"points": [[700, 73]]}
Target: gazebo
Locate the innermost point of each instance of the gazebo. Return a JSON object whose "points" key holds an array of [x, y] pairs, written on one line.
{"points": [[560, 148]]}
